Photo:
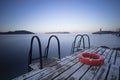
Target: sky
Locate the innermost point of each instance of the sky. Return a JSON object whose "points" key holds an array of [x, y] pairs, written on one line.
{"points": [[59, 15]]}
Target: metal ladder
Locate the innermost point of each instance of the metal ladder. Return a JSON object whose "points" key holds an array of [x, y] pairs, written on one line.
{"points": [[30, 59], [85, 35], [79, 42], [47, 48]]}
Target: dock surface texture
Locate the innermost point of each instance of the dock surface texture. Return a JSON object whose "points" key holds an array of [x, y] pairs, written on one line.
{"points": [[70, 68]]}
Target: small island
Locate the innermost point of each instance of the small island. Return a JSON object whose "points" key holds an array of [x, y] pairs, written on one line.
{"points": [[16, 32], [107, 32]]}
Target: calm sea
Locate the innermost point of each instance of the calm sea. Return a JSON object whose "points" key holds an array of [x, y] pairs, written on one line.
{"points": [[14, 49]]}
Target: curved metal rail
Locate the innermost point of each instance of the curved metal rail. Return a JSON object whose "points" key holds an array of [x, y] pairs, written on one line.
{"points": [[30, 52], [47, 48], [79, 42], [74, 42], [88, 39]]}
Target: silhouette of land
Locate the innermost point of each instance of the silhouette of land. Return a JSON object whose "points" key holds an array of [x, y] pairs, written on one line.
{"points": [[106, 32], [57, 33], [17, 32]]}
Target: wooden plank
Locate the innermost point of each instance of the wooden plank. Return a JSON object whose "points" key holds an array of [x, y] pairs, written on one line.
{"points": [[68, 68], [52, 68], [52, 61], [35, 72], [62, 62], [67, 73], [108, 56], [47, 71], [90, 51], [118, 58], [72, 70], [105, 52], [59, 71], [79, 73], [112, 60], [102, 51], [91, 72], [94, 50], [101, 74], [113, 73], [46, 63]]}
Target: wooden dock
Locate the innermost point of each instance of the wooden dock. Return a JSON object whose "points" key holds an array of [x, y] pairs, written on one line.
{"points": [[70, 68]]}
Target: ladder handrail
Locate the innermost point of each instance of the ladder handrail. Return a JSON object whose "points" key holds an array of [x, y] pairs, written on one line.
{"points": [[73, 45], [79, 42], [88, 39], [47, 48], [30, 51]]}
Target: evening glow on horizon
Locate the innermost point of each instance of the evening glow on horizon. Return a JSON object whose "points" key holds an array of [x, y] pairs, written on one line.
{"points": [[59, 15]]}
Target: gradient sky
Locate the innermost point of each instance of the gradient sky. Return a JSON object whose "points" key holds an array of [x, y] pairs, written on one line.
{"points": [[59, 15]]}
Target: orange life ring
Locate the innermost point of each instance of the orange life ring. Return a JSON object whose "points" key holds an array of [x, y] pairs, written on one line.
{"points": [[91, 59]]}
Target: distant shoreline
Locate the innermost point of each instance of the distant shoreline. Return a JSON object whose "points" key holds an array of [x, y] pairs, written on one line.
{"points": [[57, 33], [117, 33], [17, 32], [106, 32]]}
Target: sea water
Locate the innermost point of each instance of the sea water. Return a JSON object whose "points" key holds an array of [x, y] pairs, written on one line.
{"points": [[14, 49]]}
